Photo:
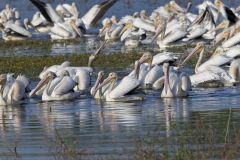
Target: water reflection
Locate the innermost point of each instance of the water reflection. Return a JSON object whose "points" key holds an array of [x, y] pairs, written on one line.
{"points": [[98, 125], [175, 110]]}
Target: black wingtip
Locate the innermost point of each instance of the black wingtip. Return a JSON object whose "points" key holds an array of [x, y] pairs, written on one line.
{"points": [[41, 6]]}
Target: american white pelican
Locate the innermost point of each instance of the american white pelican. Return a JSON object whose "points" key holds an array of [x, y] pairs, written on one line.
{"points": [[156, 72], [65, 30], [97, 94], [226, 12], [210, 72], [111, 30], [12, 31], [175, 85], [56, 88], [12, 92], [121, 91], [132, 36], [39, 23], [233, 40], [71, 69], [88, 20], [81, 75], [164, 40], [145, 66]]}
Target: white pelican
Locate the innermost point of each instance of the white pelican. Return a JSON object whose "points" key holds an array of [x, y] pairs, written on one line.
{"points": [[39, 23], [226, 12], [233, 40], [121, 91], [71, 69], [88, 20], [175, 85], [132, 36], [15, 92], [97, 94], [210, 73], [65, 30], [12, 31], [156, 72], [145, 66], [164, 40], [111, 30], [56, 88], [81, 75]]}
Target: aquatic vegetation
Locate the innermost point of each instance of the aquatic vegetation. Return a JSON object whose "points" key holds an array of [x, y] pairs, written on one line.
{"points": [[32, 66], [202, 140]]}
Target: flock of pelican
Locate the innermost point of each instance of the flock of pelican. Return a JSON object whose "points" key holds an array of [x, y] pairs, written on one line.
{"points": [[168, 25]]}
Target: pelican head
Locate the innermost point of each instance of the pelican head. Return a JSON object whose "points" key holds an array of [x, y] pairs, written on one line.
{"points": [[135, 15], [48, 76], [218, 3], [218, 51], [143, 14], [112, 78], [93, 56], [17, 15], [224, 36], [106, 24], [127, 26], [75, 27], [114, 20], [100, 76], [198, 49], [26, 23], [157, 20], [3, 79], [146, 58], [160, 30], [100, 79]]}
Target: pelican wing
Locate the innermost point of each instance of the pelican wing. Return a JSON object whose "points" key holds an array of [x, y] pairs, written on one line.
{"points": [[126, 85], [16, 93], [139, 23], [65, 86], [162, 57], [126, 34], [233, 51], [154, 74], [232, 41], [47, 11], [197, 32], [116, 31], [18, 29], [42, 8], [83, 79], [230, 15], [204, 77], [60, 31], [217, 60], [174, 36], [97, 12]]}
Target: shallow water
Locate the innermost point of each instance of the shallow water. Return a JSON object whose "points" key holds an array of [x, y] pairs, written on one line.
{"points": [[89, 129], [88, 45], [104, 130]]}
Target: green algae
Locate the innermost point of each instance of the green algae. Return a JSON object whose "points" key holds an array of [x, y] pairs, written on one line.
{"points": [[32, 66]]}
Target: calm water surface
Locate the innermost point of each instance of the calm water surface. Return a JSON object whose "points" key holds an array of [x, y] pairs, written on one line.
{"points": [[89, 129], [106, 130]]}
